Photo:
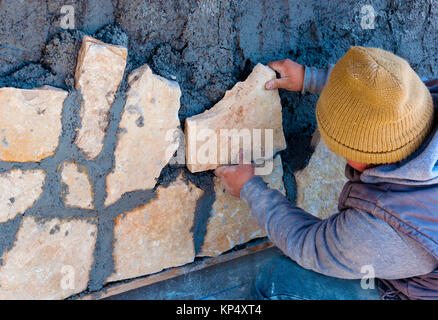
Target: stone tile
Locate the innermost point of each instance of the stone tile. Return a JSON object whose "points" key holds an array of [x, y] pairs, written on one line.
{"points": [[231, 222], [30, 122], [145, 143], [49, 260], [321, 182], [79, 193], [18, 191], [98, 74], [248, 105], [157, 235]]}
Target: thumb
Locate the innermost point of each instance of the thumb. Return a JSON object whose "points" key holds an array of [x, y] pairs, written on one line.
{"points": [[219, 171], [282, 83]]}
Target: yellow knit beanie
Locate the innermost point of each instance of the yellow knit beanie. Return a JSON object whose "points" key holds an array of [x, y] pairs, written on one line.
{"points": [[374, 108]]}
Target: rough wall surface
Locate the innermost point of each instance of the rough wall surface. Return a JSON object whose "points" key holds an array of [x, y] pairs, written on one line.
{"points": [[206, 46]]}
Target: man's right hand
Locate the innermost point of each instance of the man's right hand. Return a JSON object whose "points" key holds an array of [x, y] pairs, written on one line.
{"points": [[291, 75]]}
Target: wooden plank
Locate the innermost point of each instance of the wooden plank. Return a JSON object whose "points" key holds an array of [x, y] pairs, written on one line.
{"points": [[120, 287]]}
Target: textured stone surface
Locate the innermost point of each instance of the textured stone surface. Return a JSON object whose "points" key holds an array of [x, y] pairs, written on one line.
{"points": [[30, 122], [49, 260], [79, 192], [321, 182], [157, 235], [248, 105], [98, 74], [144, 147], [231, 222], [18, 191]]}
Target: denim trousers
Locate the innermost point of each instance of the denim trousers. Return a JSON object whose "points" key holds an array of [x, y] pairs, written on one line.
{"points": [[283, 279]]}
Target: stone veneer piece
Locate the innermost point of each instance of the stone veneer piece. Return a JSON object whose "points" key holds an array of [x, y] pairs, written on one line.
{"points": [[49, 260], [98, 74], [30, 122], [18, 191], [248, 105], [231, 222], [79, 193], [145, 142], [320, 183], [157, 235]]}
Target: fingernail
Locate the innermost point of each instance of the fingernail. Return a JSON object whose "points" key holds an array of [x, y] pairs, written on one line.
{"points": [[269, 85]]}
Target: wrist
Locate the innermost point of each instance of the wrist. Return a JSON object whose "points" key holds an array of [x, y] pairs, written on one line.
{"points": [[249, 185]]}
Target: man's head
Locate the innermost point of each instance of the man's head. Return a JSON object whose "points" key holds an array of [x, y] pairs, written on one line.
{"points": [[374, 109]]}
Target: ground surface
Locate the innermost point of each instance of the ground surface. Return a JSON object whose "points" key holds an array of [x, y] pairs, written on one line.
{"points": [[228, 281]]}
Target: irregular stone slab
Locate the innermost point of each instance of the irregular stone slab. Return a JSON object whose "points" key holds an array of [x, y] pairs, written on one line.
{"points": [[145, 144], [49, 260], [30, 123], [79, 193], [231, 222], [18, 191], [98, 74], [248, 106], [157, 235], [321, 182]]}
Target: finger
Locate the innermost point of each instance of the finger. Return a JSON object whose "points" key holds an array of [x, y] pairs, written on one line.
{"points": [[277, 66], [282, 83], [219, 171]]}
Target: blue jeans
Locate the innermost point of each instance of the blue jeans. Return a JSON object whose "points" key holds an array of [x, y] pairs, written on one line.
{"points": [[283, 279]]}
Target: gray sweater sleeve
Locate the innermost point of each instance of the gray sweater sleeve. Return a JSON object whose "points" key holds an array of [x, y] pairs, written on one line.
{"points": [[338, 246], [315, 79]]}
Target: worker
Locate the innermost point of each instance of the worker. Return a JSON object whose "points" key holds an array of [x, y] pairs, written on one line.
{"points": [[377, 113]]}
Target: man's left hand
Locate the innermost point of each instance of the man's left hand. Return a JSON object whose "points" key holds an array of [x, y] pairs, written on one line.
{"points": [[234, 177]]}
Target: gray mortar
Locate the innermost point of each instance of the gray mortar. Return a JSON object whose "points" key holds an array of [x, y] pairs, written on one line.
{"points": [[206, 46], [8, 231], [204, 181]]}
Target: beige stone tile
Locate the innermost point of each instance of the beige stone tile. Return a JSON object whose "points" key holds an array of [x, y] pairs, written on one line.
{"points": [[30, 122], [145, 144], [18, 191], [248, 105], [320, 183], [98, 74], [157, 235], [79, 193], [49, 260], [231, 222]]}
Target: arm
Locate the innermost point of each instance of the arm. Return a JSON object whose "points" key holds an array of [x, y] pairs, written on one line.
{"points": [[296, 77], [338, 246], [315, 79]]}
